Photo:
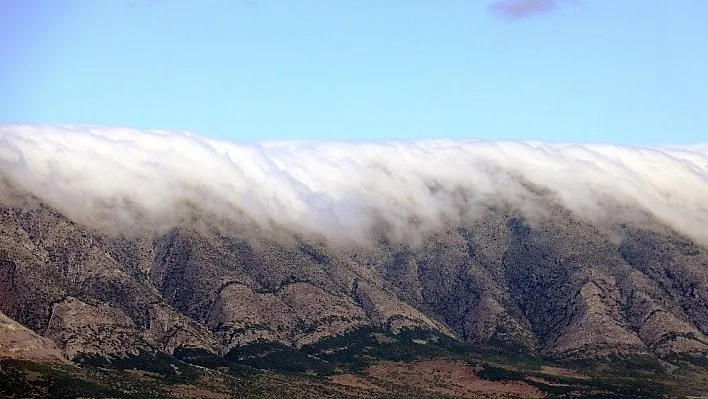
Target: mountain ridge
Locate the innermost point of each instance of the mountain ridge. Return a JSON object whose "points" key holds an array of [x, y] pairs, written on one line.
{"points": [[193, 288], [249, 256]]}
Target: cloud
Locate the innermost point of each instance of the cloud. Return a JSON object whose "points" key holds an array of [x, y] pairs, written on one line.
{"points": [[149, 180], [517, 9]]}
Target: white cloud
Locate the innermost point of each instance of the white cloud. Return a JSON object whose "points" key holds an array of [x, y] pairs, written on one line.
{"points": [[129, 178]]}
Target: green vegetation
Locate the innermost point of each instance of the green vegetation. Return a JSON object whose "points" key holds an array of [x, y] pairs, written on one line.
{"points": [[599, 386], [13, 380], [276, 356], [170, 368], [629, 366], [492, 373], [200, 357], [353, 351], [23, 379], [505, 350], [303, 372], [362, 347], [701, 361]]}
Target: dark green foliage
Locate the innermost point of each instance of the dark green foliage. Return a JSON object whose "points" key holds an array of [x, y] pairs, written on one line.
{"points": [[507, 349], [436, 340], [631, 366], [695, 360], [353, 351], [240, 370], [492, 373], [316, 255], [612, 383], [347, 349], [75, 387], [620, 388], [200, 357], [276, 356], [26, 379], [22, 379], [557, 391], [359, 348], [169, 367], [602, 386], [13, 381]]}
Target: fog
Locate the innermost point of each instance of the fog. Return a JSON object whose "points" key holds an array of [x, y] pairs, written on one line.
{"points": [[126, 179]]}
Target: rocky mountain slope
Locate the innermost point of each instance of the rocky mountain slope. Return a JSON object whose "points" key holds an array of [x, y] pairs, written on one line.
{"points": [[557, 287]]}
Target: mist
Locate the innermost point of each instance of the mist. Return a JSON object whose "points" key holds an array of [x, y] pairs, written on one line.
{"points": [[142, 181]]}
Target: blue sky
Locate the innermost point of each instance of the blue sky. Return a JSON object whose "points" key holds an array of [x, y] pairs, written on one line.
{"points": [[627, 71]]}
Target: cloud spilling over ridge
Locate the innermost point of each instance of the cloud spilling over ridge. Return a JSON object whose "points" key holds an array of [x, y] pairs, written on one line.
{"points": [[124, 177], [517, 9]]}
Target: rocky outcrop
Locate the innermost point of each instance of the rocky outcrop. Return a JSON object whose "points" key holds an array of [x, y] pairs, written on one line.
{"points": [[19, 342]]}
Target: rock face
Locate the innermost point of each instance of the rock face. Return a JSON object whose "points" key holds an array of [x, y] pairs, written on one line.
{"points": [[557, 286], [19, 342]]}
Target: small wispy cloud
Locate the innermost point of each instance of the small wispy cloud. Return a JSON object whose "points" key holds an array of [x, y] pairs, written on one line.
{"points": [[518, 9]]}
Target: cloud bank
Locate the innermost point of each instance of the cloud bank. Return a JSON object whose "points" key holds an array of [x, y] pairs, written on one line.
{"points": [[125, 178], [517, 9]]}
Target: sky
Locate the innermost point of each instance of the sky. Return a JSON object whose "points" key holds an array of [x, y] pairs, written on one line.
{"points": [[627, 72]]}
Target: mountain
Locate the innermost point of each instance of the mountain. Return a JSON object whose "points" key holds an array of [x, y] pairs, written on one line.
{"points": [[104, 274]]}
